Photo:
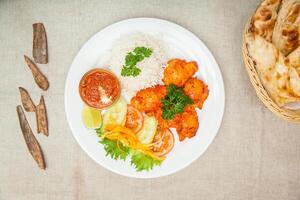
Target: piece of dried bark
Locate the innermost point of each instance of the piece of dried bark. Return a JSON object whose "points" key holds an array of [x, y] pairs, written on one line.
{"points": [[26, 100], [40, 46], [41, 117], [31, 142], [38, 76]]}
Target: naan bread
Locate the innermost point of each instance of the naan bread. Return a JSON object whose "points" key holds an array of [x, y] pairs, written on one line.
{"points": [[264, 53], [263, 21], [294, 81], [286, 34], [294, 59], [279, 78]]}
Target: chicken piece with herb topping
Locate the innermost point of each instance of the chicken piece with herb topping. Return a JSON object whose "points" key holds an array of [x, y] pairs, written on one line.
{"points": [[170, 123], [197, 90]]}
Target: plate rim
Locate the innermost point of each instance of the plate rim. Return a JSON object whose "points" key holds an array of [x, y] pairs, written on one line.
{"points": [[209, 54]]}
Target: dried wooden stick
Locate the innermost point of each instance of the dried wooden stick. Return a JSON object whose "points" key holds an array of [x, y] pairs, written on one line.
{"points": [[40, 46], [41, 117], [38, 76], [31, 142], [26, 100]]}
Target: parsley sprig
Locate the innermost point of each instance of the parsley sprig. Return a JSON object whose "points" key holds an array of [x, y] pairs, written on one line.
{"points": [[174, 102], [131, 60]]}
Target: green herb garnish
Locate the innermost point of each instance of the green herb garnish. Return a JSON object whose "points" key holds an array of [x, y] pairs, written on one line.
{"points": [[174, 102], [131, 60]]}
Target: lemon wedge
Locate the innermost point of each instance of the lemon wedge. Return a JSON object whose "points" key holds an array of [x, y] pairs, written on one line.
{"points": [[91, 117]]}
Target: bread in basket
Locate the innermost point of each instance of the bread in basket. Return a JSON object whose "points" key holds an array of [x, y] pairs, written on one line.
{"points": [[271, 52]]}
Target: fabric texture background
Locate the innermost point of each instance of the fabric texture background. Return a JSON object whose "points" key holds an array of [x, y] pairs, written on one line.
{"points": [[255, 156]]}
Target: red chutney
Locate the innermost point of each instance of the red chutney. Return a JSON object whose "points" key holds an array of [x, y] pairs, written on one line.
{"points": [[99, 88]]}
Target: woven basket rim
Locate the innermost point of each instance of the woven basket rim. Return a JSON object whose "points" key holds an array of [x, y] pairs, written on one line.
{"points": [[283, 113]]}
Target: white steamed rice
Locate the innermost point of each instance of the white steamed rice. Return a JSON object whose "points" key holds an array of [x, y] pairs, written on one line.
{"points": [[151, 68]]}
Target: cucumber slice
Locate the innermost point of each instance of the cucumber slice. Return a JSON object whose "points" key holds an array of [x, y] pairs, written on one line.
{"points": [[148, 131], [116, 114]]}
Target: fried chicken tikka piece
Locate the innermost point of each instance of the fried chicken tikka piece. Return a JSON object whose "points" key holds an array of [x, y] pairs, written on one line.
{"points": [[197, 90], [148, 100], [179, 71], [164, 124], [189, 124], [186, 123]]}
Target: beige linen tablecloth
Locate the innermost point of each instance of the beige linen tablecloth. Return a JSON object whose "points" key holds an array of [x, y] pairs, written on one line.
{"points": [[255, 156]]}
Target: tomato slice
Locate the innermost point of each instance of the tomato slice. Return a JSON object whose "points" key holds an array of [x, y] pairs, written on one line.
{"points": [[163, 142], [134, 119]]}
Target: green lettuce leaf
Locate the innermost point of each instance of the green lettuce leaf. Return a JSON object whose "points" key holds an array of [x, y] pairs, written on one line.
{"points": [[115, 151], [143, 162]]}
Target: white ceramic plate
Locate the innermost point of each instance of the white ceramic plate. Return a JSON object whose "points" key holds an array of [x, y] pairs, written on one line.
{"points": [[183, 44]]}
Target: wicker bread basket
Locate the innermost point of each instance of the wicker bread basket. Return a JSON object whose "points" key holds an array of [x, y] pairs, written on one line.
{"points": [[286, 114]]}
